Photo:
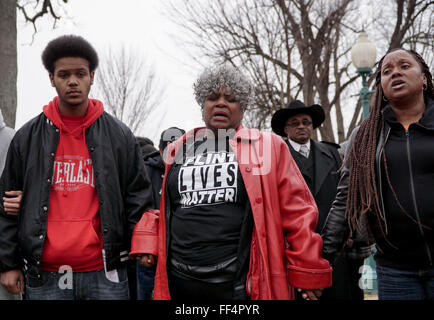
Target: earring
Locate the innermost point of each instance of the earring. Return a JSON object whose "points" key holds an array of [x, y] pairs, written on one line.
{"points": [[385, 99]]}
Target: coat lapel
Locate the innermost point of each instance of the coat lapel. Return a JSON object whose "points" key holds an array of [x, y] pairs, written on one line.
{"points": [[324, 162], [296, 155]]}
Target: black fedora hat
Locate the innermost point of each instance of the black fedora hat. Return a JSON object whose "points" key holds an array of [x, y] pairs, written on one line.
{"points": [[279, 118]]}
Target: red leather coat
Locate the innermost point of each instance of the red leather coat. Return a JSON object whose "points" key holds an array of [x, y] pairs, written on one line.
{"points": [[285, 251]]}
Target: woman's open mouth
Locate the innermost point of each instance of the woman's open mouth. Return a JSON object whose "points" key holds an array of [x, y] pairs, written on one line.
{"points": [[220, 116]]}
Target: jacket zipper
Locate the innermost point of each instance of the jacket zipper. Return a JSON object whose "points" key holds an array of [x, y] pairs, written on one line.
{"points": [[44, 225], [380, 185], [413, 195]]}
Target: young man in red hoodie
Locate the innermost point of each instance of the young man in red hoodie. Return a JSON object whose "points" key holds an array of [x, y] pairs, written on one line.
{"points": [[84, 187]]}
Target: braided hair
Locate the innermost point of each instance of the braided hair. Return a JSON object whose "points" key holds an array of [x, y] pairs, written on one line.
{"points": [[362, 191]]}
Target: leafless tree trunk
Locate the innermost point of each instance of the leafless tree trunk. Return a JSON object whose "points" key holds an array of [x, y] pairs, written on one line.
{"points": [[8, 61], [129, 88], [32, 11]]}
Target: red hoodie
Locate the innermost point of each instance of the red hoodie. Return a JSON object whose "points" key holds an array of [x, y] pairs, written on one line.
{"points": [[74, 226]]}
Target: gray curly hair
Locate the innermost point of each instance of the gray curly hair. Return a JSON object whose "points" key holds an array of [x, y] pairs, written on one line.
{"points": [[212, 79]]}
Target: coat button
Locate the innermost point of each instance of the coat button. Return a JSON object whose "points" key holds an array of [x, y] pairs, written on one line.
{"points": [[258, 200], [44, 208], [248, 169], [41, 237]]}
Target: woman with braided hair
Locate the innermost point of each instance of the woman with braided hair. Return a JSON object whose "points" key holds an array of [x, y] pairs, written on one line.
{"points": [[387, 180]]}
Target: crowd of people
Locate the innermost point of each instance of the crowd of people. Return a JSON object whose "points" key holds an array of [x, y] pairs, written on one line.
{"points": [[91, 212]]}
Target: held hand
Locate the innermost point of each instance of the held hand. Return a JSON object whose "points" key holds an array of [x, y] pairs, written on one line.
{"points": [[12, 202], [310, 294], [146, 259], [13, 281]]}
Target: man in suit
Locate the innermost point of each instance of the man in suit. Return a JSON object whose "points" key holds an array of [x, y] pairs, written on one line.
{"points": [[319, 163]]}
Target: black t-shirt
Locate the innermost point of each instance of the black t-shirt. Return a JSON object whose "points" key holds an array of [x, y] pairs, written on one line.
{"points": [[208, 201]]}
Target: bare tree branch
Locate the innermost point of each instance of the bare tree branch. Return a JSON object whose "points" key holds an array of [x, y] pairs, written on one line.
{"points": [[38, 10], [299, 49], [128, 86]]}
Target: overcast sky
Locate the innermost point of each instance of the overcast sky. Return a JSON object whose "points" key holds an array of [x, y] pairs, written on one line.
{"points": [[111, 23]]}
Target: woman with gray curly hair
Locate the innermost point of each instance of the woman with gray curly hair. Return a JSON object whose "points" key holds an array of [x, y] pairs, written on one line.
{"points": [[212, 80], [237, 220]]}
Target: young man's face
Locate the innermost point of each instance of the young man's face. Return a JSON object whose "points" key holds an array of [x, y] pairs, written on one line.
{"points": [[72, 80]]}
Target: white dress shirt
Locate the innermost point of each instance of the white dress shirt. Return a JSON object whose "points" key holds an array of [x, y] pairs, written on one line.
{"points": [[297, 146]]}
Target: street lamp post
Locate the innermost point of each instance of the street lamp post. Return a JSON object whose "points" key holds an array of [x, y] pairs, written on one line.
{"points": [[363, 55]]}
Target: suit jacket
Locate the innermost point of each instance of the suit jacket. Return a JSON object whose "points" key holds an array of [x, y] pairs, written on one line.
{"points": [[326, 178]]}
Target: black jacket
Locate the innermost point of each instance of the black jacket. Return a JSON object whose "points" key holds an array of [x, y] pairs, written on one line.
{"points": [[123, 188], [326, 176], [154, 165], [409, 243], [335, 232]]}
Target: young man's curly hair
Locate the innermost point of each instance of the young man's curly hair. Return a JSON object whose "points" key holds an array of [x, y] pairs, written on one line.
{"points": [[69, 46]]}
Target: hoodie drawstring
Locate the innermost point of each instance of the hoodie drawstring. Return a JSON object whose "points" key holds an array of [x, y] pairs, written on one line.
{"points": [[83, 169], [62, 157], [85, 165]]}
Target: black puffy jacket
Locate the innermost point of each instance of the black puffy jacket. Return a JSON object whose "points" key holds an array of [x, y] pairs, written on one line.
{"points": [[123, 188]]}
